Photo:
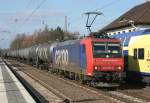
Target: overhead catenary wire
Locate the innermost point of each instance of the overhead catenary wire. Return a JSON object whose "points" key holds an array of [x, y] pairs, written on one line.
{"points": [[101, 8], [26, 7], [108, 5], [28, 4], [31, 14]]}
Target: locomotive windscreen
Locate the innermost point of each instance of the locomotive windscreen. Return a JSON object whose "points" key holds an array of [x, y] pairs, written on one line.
{"points": [[106, 50]]}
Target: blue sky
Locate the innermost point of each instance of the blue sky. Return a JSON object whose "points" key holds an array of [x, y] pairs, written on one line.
{"points": [[14, 12]]}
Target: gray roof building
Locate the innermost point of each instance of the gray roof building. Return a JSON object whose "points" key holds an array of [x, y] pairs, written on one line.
{"points": [[137, 16]]}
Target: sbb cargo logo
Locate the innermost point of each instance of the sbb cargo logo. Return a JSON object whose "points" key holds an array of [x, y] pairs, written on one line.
{"points": [[61, 57]]}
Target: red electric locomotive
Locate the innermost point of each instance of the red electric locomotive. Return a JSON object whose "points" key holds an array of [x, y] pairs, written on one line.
{"points": [[96, 61], [105, 62]]}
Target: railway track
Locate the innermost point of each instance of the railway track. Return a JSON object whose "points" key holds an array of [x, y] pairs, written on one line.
{"points": [[75, 92]]}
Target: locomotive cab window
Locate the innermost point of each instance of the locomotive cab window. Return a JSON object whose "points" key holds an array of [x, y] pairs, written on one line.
{"points": [[114, 49], [109, 50], [99, 49], [141, 53], [135, 54]]}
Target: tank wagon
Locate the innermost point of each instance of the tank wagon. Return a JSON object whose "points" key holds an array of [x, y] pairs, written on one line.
{"points": [[44, 55], [136, 50], [98, 62], [23, 53]]}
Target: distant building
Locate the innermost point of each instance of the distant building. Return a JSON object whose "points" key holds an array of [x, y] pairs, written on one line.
{"points": [[138, 18]]}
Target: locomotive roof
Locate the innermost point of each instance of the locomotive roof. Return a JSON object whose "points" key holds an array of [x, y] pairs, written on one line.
{"points": [[69, 42], [77, 41]]}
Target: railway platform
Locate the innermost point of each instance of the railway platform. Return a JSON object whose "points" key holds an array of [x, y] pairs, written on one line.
{"points": [[11, 90]]}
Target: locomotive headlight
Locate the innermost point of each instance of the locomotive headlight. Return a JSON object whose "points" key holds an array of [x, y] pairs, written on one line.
{"points": [[119, 67], [97, 67]]}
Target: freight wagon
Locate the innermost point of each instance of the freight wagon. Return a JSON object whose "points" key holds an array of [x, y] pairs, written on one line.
{"points": [[98, 62]]}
